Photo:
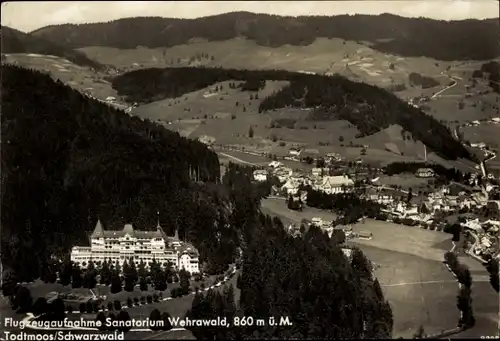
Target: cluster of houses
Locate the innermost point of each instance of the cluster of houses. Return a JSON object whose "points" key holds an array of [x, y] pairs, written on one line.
{"points": [[423, 208], [486, 236], [418, 209], [292, 181]]}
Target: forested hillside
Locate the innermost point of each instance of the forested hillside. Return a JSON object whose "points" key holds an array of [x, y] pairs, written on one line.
{"points": [[455, 40], [368, 107], [306, 280], [68, 160], [491, 71], [14, 41]]}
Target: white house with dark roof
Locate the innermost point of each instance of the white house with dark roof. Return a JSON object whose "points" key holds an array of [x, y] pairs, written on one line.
{"points": [[334, 184], [425, 173], [131, 244]]}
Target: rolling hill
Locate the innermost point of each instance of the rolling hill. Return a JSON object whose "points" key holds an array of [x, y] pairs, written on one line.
{"points": [[14, 41], [367, 107], [457, 40]]}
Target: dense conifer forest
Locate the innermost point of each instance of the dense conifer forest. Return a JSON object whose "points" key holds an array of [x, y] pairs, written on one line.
{"points": [[424, 82], [306, 279], [68, 160], [368, 107], [457, 40], [14, 41]]}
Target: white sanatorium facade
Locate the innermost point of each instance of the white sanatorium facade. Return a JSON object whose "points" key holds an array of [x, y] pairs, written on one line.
{"points": [[127, 244]]}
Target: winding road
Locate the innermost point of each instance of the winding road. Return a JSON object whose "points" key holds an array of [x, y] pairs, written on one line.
{"points": [[455, 82]]}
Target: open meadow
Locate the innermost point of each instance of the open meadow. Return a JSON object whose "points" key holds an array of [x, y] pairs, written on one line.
{"points": [[278, 207], [78, 77], [419, 288], [355, 60], [409, 266], [203, 113], [423, 292]]}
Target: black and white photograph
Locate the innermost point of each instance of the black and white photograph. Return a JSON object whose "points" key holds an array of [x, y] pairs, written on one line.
{"points": [[236, 170]]}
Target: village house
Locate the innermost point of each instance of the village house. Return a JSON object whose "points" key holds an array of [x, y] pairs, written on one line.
{"points": [[283, 173], [364, 235], [424, 173], [404, 211], [317, 171], [382, 198], [317, 221], [473, 225], [133, 245], [495, 120], [480, 145], [294, 151], [260, 175], [333, 157], [334, 184], [291, 187], [275, 164]]}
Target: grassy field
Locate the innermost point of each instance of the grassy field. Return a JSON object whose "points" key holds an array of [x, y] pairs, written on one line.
{"points": [[487, 133], [203, 113], [419, 288], [414, 302], [404, 180], [399, 238], [351, 59], [277, 207], [78, 77], [259, 160]]}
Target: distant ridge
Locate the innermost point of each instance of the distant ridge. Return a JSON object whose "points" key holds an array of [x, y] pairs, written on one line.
{"points": [[441, 40], [14, 41]]}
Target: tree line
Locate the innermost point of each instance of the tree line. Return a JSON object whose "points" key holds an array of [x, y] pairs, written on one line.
{"points": [[411, 167], [464, 298], [369, 108], [349, 205], [424, 82], [417, 36]]}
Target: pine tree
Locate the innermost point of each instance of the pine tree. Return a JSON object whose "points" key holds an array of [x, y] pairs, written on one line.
{"points": [[184, 281], [105, 274], [143, 284], [128, 277], [141, 271], [116, 282], [89, 278], [76, 277], [66, 272], [133, 272], [250, 132]]}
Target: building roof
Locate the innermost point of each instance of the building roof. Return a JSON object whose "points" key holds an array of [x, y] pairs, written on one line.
{"points": [[99, 232], [188, 249], [425, 170], [336, 181]]}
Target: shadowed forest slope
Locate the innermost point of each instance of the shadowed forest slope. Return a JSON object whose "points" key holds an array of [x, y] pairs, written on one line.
{"points": [[68, 160]]}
